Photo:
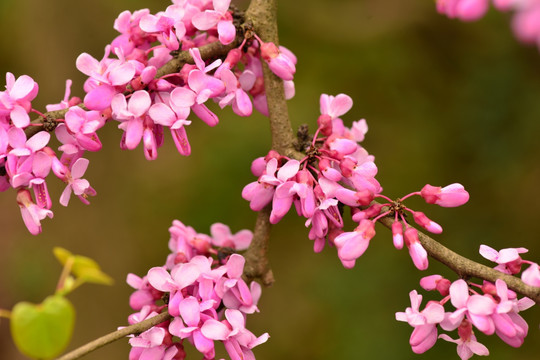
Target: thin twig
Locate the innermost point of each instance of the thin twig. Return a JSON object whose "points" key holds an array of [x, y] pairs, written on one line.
{"points": [[116, 335]]}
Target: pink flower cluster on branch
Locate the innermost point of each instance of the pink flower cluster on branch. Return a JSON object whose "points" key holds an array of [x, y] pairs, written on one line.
{"points": [[202, 288], [123, 86], [494, 311], [338, 172]]}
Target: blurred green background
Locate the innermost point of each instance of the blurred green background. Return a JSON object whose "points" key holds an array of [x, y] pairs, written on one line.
{"points": [[445, 102]]}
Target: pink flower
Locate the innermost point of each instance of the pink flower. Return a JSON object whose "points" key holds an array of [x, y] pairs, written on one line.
{"points": [[222, 237], [131, 114], [436, 282], [278, 61], [80, 187], [221, 17], [83, 125], [105, 77], [466, 348], [508, 259], [16, 100], [167, 24], [424, 335], [352, 245], [236, 91], [31, 213], [478, 308]]}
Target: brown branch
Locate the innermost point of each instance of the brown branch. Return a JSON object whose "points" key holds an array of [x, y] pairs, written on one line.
{"points": [[262, 16], [468, 268], [257, 263], [116, 335]]}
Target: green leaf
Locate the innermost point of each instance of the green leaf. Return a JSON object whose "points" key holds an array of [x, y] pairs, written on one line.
{"points": [[62, 255], [44, 330], [84, 268]]}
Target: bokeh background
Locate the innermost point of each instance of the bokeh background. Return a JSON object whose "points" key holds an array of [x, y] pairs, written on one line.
{"points": [[445, 102]]}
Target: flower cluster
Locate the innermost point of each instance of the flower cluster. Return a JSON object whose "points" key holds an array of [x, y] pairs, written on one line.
{"points": [[336, 172], [201, 286], [495, 311], [129, 86], [525, 21]]}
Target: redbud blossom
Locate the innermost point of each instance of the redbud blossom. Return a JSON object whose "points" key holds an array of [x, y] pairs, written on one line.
{"points": [[450, 196]]}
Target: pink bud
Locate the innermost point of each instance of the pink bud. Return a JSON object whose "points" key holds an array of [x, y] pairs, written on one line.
{"points": [[325, 124], [397, 234], [450, 196], [258, 166], [347, 166], [280, 64], [531, 276], [416, 250], [421, 219]]}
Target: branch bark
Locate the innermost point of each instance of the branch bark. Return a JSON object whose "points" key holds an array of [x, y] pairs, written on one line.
{"points": [[465, 267]]}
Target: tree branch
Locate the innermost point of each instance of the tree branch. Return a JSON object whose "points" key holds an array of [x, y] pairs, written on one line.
{"points": [[116, 335], [262, 15], [257, 263], [468, 268]]}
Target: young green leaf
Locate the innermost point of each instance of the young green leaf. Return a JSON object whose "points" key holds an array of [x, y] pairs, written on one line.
{"points": [[42, 331]]}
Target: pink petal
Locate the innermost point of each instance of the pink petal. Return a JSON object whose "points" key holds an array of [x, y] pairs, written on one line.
{"points": [[162, 114], [235, 318], [87, 64], [221, 6], [203, 344], [66, 195], [481, 305], [340, 105], [38, 141], [100, 97], [139, 103], [242, 105], [185, 275], [205, 114], [79, 168], [226, 31], [122, 74], [190, 312], [215, 330], [16, 138], [33, 225], [22, 87], [288, 170], [181, 141], [160, 279], [235, 266], [182, 97], [19, 116], [206, 20], [242, 239], [353, 246], [489, 253], [134, 133]]}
